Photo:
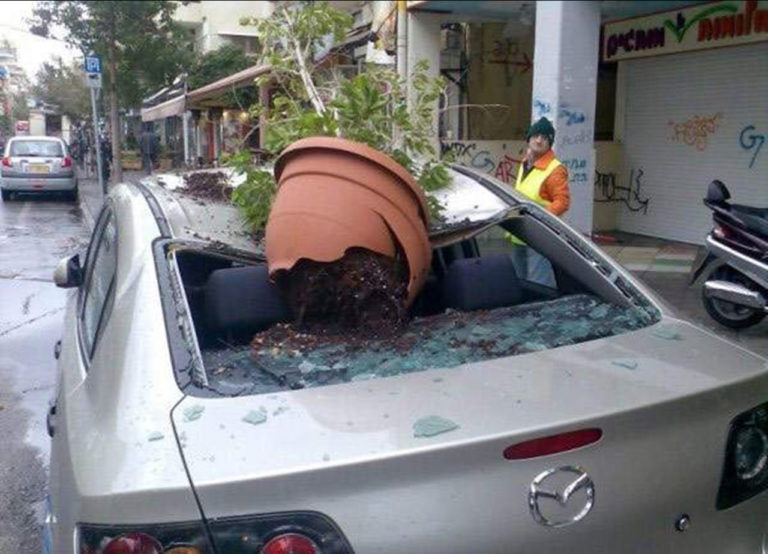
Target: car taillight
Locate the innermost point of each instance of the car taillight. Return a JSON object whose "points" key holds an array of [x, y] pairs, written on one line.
{"points": [[745, 472], [290, 543], [131, 543], [7, 162], [553, 444], [67, 162], [283, 533], [174, 538]]}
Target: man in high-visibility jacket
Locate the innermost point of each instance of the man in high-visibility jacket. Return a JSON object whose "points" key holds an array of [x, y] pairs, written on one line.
{"points": [[542, 178]]}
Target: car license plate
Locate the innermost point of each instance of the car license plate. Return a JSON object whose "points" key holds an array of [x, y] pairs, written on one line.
{"points": [[38, 168]]}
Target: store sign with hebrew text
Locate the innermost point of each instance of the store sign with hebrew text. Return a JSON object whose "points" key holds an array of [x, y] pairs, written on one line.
{"points": [[699, 27]]}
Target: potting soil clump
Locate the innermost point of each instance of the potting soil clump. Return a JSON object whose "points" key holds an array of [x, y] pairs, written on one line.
{"points": [[362, 294], [209, 186]]}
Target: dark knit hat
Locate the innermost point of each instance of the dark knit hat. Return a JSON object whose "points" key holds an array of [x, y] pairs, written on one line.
{"points": [[542, 127]]}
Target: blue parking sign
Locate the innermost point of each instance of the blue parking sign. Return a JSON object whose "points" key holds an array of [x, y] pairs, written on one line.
{"points": [[92, 64]]}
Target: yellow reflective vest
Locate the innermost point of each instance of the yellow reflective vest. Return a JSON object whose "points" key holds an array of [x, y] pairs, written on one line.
{"points": [[530, 186]]}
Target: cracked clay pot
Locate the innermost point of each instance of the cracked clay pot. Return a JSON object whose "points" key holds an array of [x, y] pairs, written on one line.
{"points": [[334, 194]]}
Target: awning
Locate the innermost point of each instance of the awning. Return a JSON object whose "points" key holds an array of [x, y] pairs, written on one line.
{"points": [[169, 108], [222, 86]]}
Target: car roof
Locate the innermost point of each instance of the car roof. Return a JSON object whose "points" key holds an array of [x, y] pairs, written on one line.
{"points": [[36, 138], [468, 206], [193, 218]]}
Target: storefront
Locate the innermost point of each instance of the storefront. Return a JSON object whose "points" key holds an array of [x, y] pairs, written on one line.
{"points": [[692, 106]]}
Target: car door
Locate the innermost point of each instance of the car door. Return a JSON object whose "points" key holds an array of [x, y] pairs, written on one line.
{"points": [[83, 326]]}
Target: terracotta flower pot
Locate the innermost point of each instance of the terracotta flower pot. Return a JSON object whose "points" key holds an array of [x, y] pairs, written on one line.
{"points": [[334, 194]]}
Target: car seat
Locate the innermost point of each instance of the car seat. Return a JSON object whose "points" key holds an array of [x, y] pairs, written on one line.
{"points": [[243, 300], [482, 283]]}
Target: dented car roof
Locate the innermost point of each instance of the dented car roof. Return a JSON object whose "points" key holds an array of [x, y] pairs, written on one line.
{"points": [[467, 204]]}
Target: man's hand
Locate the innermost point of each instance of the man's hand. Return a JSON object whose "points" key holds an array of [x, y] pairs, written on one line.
{"points": [[529, 157]]}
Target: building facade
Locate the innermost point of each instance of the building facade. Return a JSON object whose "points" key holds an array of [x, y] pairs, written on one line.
{"points": [[650, 100], [215, 23]]}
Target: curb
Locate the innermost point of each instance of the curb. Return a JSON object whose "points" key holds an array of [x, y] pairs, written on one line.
{"points": [[89, 218]]}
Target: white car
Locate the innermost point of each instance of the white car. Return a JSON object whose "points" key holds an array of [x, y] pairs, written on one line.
{"points": [[579, 418], [37, 164]]}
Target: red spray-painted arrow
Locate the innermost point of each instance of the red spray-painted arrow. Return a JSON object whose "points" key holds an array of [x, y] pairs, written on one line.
{"points": [[526, 64]]}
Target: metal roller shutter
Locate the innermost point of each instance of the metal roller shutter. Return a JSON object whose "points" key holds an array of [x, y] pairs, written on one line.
{"points": [[688, 119]]}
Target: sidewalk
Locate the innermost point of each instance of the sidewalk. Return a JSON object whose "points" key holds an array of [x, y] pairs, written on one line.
{"points": [[91, 196]]}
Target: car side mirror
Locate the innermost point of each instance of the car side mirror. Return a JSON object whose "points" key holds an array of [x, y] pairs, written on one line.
{"points": [[68, 273]]}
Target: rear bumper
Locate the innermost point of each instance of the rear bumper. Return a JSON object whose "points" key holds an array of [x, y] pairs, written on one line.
{"points": [[36, 184]]}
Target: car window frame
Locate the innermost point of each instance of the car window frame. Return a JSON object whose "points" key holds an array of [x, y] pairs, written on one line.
{"points": [[87, 351]]}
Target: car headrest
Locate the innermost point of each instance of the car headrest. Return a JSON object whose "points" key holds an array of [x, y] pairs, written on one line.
{"points": [[482, 283], [242, 299]]}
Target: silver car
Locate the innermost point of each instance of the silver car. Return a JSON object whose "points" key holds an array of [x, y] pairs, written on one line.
{"points": [[579, 415], [34, 164]]}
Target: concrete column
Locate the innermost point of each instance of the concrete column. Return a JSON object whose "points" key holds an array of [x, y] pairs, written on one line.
{"points": [[621, 103], [424, 44], [564, 90], [198, 141], [216, 139], [185, 132]]}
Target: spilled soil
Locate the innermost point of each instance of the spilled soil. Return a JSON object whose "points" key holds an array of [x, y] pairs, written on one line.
{"points": [[362, 293], [354, 300], [209, 186]]}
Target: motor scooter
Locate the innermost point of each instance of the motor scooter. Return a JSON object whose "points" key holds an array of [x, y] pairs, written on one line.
{"points": [[735, 290]]}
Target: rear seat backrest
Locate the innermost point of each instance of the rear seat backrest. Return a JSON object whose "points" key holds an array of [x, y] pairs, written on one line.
{"points": [[482, 283], [242, 299]]}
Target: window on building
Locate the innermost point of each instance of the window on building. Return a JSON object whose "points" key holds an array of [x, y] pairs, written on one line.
{"points": [[489, 69], [605, 106], [249, 45]]}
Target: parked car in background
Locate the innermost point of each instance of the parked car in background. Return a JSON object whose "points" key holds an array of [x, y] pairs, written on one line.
{"points": [[513, 416], [37, 164]]}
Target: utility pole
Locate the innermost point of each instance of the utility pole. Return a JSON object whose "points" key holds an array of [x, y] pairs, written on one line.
{"points": [[93, 80]]}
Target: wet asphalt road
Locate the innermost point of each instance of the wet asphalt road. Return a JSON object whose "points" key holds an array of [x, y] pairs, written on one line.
{"points": [[35, 233]]}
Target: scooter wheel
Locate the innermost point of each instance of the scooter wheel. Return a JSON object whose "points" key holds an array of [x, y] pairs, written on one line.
{"points": [[727, 313]]}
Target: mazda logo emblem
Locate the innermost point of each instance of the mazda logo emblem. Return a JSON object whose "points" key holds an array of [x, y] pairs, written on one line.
{"points": [[561, 496]]}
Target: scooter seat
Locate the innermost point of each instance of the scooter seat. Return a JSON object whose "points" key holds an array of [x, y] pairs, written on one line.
{"points": [[755, 219]]}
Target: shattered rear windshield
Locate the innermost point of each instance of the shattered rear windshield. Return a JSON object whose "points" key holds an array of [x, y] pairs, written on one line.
{"points": [[446, 340]]}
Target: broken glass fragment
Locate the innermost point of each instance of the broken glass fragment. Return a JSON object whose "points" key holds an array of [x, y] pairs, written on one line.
{"points": [[193, 412], [306, 367], [280, 410], [432, 425], [156, 436], [666, 332], [628, 363], [256, 417], [446, 340]]}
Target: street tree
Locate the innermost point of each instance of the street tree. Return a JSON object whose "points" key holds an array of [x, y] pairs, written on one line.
{"points": [[141, 44], [216, 64], [312, 96], [64, 86]]}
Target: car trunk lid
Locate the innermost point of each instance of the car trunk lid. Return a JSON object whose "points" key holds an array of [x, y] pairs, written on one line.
{"points": [[663, 397]]}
